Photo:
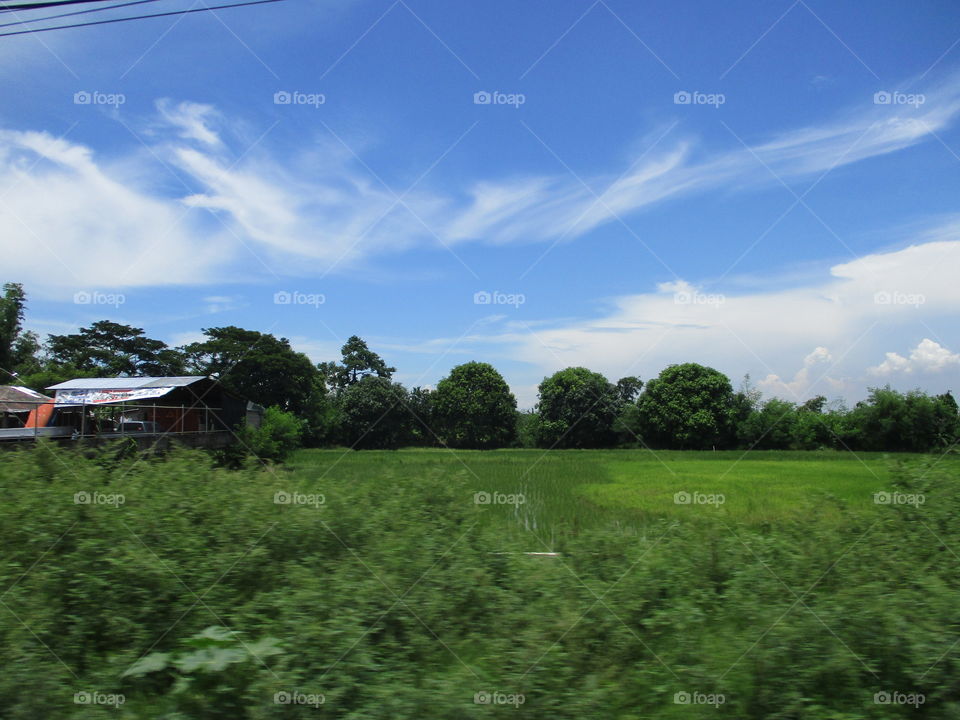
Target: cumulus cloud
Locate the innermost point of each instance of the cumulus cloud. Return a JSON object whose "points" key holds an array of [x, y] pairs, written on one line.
{"points": [[802, 386], [764, 333], [927, 357]]}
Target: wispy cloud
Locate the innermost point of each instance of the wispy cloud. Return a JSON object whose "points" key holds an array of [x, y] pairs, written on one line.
{"points": [[237, 203], [547, 207]]}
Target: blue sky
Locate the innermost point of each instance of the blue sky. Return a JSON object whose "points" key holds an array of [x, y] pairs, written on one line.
{"points": [[764, 187]]}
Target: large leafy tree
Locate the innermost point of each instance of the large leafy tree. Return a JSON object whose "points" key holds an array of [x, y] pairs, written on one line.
{"points": [[374, 415], [114, 349], [257, 366], [687, 406], [474, 408], [577, 409], [358, 361], [12, 305]]}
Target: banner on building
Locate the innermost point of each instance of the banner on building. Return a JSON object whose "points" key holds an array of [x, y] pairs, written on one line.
{"points": [[107, 397]]}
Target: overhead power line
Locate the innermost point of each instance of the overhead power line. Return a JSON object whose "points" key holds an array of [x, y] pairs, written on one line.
{"points": [[137, 17], [76, 12], [4, 7]]}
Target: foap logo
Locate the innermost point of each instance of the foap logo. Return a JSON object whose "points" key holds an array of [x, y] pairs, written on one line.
{"points": [[98, 498], [84, 97], [699, 498], [92, 697], [883, 97], [482, 297], [895, 297], [284, 97], [484, 697], [895, 697], [482, 97], [284, 297], [498, 498], [294, 697], [685, 297], [683, 97], [899, 498], [281, 497], [699, 698], [95, 297]]}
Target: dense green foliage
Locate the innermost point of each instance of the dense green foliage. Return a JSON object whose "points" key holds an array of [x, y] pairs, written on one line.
{"points": [[687, 406], [279, 434], [357, 362], [256, 366], [355, 402], [12, 309], [374, 414], [474, 408], [577, 410], [112, 349], [386, 591]]}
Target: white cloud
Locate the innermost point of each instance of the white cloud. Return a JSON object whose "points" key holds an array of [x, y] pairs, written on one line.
{"points": [[193, 120], [318, 209], [803, 386], [67, 221], [927, 357], [761, 332], [550, 207], [221, 303]]}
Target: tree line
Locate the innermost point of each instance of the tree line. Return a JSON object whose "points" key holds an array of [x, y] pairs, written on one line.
{"points": [[355, 401]]}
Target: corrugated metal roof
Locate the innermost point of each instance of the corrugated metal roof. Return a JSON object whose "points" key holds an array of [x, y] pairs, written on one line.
{"points": [[126, 383], [15, 398]]}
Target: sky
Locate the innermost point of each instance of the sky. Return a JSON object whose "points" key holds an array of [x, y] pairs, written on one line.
{"points": [[768, 188]]}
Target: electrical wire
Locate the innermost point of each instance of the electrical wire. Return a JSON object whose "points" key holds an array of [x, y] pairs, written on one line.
{"points": [[76, 12], [42, 5], [138, 17]]}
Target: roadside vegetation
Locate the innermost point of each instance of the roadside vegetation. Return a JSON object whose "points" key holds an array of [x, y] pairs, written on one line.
{"points": [[384, 585]]}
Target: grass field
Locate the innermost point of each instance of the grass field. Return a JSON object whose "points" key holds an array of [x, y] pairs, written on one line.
{"points": [[399, 595], [569, 490]]}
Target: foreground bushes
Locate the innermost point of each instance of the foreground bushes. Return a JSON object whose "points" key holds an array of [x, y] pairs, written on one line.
{"points": [[390, 600]]}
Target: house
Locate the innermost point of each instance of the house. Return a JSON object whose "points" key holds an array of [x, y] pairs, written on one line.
{"points": [[16, 404], [150, 405]]}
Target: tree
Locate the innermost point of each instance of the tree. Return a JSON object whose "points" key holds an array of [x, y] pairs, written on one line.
{"points": [[946, 420], [815, 404], [687, 406], [321, 416], [420, 405], [628, 389], [114, 349], [374, 414], [577, 409], [474, 408], [907, 422], [256, 366], [769, 427], [279, 435], [358, 362], [12, 305], [814, 428]]}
